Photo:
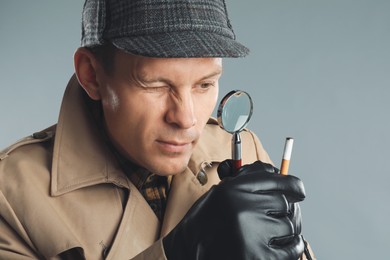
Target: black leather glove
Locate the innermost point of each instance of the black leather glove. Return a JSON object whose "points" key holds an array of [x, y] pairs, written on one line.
{"points": [[247, 216]]}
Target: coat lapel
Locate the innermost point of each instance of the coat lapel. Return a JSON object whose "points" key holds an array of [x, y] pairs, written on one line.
{"points": [[138, 229], [185, 190]]}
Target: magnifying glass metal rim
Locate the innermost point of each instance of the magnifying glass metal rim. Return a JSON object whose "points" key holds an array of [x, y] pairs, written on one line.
{"points": [[222, 104]]}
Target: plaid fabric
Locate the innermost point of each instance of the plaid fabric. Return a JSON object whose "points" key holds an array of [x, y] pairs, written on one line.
{"points": [[154, 188], [164, 28]]}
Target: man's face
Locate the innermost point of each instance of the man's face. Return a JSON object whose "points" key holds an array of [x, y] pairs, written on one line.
{"points": [[155, 108]]}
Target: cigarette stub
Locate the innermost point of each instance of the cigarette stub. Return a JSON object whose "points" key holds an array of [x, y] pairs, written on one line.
{"points": [[286, 155]]}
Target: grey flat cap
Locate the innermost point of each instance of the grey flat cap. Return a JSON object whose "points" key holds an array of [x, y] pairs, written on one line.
{"points": [[161, 28]]}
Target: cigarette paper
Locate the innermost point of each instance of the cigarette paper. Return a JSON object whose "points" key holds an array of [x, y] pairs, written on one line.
{"points": [[286, 155]]}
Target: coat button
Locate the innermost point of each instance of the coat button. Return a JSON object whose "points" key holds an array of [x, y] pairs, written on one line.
{"points": [[202, 177], [39, 135], [105, 252]]}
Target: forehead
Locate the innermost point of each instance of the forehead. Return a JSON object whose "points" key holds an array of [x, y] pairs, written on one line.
{"points": [[145, 66]]}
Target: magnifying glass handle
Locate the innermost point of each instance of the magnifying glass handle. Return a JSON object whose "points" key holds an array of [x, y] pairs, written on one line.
{"points": [[236, 151]]}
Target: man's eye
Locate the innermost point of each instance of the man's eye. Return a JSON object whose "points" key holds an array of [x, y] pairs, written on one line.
{"points": [[206, 85]]}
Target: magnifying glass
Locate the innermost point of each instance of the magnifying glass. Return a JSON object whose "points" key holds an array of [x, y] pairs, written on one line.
{"points": [[234, 113]]}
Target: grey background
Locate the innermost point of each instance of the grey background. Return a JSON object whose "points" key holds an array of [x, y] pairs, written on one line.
{"points": [[318, 71]]}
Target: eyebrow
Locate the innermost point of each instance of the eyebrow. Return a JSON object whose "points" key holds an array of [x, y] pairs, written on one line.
{"points": [[213, 74], [162, 79]]}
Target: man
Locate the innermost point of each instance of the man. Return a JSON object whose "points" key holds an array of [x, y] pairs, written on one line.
{"points": [[132, 168]]}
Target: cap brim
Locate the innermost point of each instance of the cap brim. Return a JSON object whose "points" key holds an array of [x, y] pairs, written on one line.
{"points": [[187, 44]]}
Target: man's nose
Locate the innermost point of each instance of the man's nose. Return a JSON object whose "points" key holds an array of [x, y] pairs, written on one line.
{"points": [[181, 111]]}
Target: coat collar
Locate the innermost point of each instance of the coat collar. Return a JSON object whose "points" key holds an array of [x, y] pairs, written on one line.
{"points": [[91, 163]]}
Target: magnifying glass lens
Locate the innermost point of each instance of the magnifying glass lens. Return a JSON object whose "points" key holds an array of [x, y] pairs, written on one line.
{"points": [[235, 111]]}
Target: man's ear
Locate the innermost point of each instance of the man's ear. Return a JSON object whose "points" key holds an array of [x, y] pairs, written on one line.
{"points": [[86, 67]]}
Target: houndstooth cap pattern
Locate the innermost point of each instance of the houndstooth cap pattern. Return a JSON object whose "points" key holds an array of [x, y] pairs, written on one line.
{"points": [[161, 28]]}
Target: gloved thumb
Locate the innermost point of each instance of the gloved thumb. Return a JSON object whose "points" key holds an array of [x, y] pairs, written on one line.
{"points": [[225, 169]]}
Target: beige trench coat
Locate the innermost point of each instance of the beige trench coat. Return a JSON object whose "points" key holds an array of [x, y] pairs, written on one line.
{"points": [[63, 196]]}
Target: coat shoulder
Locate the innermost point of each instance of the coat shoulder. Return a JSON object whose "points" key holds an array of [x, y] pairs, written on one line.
{"points": [[35, 138], [19, 159]]}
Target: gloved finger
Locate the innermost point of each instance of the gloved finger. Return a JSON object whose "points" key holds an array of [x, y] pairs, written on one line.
{"points": [[265, 210], [296, 217], [289, 248], [277, 228], [225, 169], [232, 201], [258, 166], [260, 180]]}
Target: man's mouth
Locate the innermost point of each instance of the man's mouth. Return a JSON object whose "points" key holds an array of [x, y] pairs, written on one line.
{"points": [[174, 147]]}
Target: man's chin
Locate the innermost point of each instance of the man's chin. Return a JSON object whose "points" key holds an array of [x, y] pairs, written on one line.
{"points": [[172, 171], [169, 168]]}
